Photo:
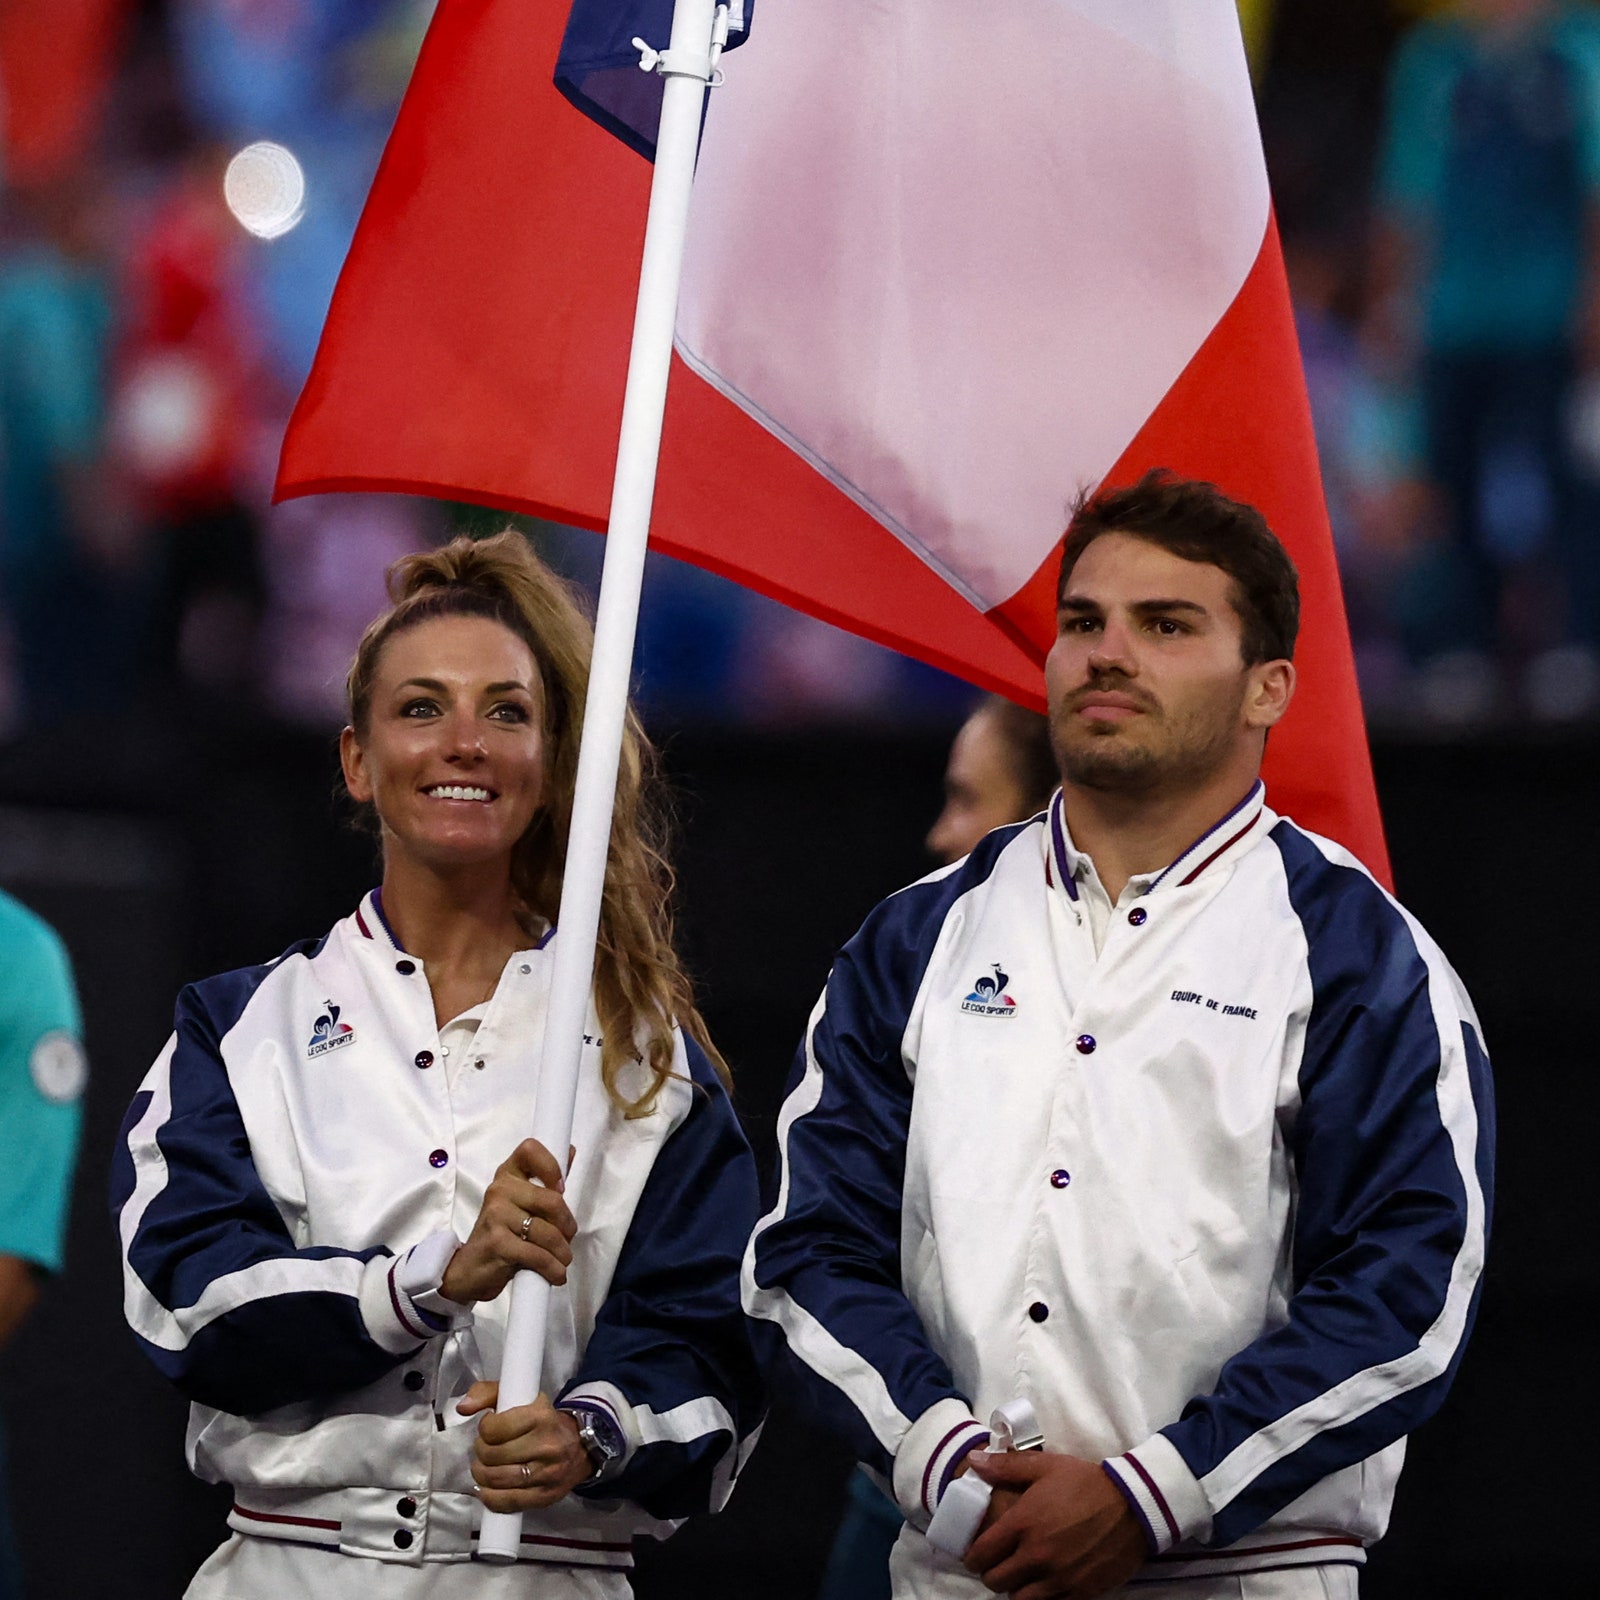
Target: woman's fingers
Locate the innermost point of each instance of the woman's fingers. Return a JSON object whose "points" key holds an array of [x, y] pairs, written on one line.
{"points": [[527, 1199], [482, 1396], [531, 1160]]}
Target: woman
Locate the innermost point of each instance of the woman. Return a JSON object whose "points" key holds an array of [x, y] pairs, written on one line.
{"points": [[324, 1185]]}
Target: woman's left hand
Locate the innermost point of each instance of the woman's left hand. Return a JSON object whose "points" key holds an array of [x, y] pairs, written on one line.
{"points": [[526, 1458]]}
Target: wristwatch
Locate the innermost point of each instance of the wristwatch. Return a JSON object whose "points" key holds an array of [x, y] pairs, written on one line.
{"points": [[602, 1442]]}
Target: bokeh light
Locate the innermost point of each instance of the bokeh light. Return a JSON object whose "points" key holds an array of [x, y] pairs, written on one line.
{"points": [[265, 187]]}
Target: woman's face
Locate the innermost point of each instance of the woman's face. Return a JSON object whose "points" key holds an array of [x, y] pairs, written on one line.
{"points": [[453, 754]]}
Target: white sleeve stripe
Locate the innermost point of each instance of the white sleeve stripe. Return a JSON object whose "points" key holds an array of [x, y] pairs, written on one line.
{"points": [[152, 1321], [859, 1380], [1364, 1391]]}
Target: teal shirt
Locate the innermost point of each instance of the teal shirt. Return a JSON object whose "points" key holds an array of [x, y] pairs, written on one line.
{"points": [[42, 1076], [1491, 161]]}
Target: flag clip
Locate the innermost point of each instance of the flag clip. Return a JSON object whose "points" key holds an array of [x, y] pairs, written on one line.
{"points": [[677, 64]]}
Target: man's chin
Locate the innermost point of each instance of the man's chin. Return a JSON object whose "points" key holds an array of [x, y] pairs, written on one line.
{"points": [[1109, 764]]}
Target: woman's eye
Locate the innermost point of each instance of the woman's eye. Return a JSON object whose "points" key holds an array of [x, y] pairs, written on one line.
{"points": [[418, 708], [509, 711]]}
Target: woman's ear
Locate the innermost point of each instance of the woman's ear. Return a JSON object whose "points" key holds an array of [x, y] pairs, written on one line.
{"points": [[353, 760]]}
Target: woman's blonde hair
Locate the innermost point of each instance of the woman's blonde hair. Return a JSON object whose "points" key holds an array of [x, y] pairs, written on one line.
{"points": [[639, 985]]}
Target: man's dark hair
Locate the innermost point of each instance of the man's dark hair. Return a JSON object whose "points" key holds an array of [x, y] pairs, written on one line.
{"points": [[1198, 522]]}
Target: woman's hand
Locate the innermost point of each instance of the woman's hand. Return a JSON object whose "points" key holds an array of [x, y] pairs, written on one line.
{"points": [[524, 1223], [526, 1458]]}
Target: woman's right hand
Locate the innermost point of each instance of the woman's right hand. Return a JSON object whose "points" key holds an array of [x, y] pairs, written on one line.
{"points": [[527, 1185]]}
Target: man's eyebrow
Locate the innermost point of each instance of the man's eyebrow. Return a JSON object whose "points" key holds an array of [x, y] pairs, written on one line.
{"points": [[1147, 607], [1074, 602]]}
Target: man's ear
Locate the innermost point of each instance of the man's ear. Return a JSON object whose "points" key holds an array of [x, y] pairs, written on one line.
{"points": [[353, 760], [1268, 693]]}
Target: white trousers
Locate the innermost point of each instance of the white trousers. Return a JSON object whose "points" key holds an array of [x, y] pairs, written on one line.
{"points": [[918, 1572], [247, 1568]]}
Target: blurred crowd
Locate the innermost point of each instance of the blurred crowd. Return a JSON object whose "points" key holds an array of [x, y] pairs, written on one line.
{"points": [[1436, 168]]}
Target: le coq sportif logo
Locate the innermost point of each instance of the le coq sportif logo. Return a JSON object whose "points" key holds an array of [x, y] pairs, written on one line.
{"points": [[989, 997]]}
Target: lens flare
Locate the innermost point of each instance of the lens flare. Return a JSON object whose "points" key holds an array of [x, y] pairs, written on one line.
{"points": [[265, 188]]}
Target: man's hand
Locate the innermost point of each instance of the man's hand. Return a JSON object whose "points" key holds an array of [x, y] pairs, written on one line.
{"points": [[1071, 1535]]}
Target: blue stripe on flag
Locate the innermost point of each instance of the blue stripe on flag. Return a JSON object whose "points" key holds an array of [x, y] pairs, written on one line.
{"points": [[598, 68]]}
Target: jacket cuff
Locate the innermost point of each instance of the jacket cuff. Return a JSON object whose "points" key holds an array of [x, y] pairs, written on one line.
{"points": [[390, 1287], [929, 1454], [1165, 1495], [609, 1401]]}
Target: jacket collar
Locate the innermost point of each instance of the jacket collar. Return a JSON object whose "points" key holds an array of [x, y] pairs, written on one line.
{"points": [[371, 923], [1226, 837]]}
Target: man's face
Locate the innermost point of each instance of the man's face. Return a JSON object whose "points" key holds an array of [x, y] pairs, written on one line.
{"points": [[1147, 684]]}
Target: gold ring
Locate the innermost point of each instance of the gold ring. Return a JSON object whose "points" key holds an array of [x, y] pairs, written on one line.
{"points": [[522, 1232]]}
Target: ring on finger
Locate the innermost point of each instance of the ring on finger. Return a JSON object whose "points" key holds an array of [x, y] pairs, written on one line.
{"points": [[523, 1226], [527, 1473]]}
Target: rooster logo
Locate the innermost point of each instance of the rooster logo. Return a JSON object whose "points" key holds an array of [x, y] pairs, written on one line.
{"points": [[989, 997], [328, 1032]]}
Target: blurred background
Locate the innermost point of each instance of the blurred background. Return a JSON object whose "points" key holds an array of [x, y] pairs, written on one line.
{"points": [[180, 181]]}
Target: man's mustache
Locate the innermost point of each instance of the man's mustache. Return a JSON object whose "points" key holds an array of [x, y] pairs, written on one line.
{"points": [[1116, 683]]}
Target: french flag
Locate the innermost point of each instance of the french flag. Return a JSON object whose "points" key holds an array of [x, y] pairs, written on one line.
{"points": [[947, 265]]}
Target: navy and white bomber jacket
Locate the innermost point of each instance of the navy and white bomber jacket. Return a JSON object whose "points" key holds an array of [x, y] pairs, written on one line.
{"points": [[1214, 1197], [304, 1134]]}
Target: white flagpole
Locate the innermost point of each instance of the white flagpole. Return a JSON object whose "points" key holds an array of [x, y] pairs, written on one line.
{"points": [[686, 66]]}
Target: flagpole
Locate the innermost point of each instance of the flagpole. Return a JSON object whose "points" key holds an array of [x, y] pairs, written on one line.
{"points": [[687, 67]]}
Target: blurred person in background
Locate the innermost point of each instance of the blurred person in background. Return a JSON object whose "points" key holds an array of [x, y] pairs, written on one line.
{"points": [[1001, 770], [42, 1075], [317, 1253], [190, 393], [1485, 285], [55, 324]]}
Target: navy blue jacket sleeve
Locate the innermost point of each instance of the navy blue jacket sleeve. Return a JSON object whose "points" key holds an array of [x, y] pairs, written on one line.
{"points": [[672, 1356], [1392, 1146], [215, 1291], [824, 1264]]}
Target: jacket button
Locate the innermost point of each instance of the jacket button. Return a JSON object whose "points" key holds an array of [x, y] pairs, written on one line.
{"points": [[405, 968], [479, 1063], [413, 1381], [407, 1507], [402, 1538], [1060, 1178], [1038, 1311], [1085, 1043], [439, 1158], [1138, 916], [423, 1059]]}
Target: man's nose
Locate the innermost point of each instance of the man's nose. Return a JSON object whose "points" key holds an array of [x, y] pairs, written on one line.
{"points": [[1113, 648]]}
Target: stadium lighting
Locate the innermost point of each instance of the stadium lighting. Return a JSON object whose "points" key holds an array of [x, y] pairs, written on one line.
{"points": [[265, 187]]}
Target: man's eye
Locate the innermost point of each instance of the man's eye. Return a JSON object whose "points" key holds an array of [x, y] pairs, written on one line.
{"points": [[1168, 628]]}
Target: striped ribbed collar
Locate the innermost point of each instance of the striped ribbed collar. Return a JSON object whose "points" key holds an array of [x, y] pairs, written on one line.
{"points": [[1229, 830], [372, 924]]}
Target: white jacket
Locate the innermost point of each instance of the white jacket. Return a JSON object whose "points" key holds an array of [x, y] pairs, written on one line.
{"points": [[301, 1133], [1214, 1198]]}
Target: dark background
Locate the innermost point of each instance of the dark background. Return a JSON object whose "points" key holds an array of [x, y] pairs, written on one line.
{"points": [[787, 840]]}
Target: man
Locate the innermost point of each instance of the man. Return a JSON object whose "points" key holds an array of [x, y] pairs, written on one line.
{"points": [[1155, 1111], [1000, 770], [42, 1075]]}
